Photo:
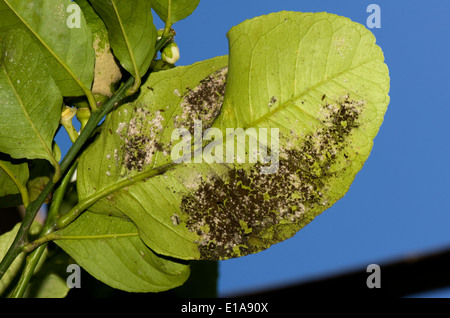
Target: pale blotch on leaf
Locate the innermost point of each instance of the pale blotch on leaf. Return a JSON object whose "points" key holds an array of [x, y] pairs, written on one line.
{"points": [[176, 92], [341, 45], [107, 72], [175, 219]]}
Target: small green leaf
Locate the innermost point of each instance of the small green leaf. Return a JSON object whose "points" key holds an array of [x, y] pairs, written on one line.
{"points": [[179, 9], [110, 250], [68, 48], [31, 101], [13, 175], [5, 242], [132, 34]]}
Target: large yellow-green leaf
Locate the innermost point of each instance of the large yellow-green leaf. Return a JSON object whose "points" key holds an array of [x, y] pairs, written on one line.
{"points": [[318, 80], [68, 50]]}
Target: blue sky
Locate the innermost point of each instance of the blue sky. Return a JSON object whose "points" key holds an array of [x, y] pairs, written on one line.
{"points": [[397, 206]]}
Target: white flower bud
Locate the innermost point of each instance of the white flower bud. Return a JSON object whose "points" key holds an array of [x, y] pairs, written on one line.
{"points": [[170, 54]]}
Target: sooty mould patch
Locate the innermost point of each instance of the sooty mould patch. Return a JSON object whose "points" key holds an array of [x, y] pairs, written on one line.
{"points": [[140, 137], [226, 213], [203, 102], [142, 132], [272, 101]]}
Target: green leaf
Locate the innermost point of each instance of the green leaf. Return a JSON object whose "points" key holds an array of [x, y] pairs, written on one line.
{"points": [[31, 100], [179, 9], [111, 251], [317, 79], [68, 50], [5, 241], [13, 175], [132, 34]]}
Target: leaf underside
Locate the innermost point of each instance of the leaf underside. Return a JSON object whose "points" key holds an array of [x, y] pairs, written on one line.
{"points": [[318, 78]]}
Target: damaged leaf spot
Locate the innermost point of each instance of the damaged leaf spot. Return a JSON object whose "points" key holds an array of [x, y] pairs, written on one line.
{"points": [[140, 137], [175, 219], [203, 102], [244, 212], [272, 101], [142, 133]]}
